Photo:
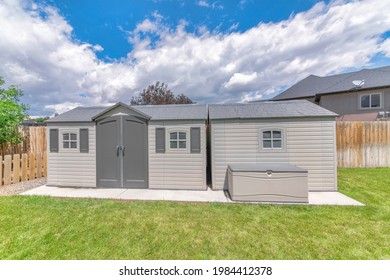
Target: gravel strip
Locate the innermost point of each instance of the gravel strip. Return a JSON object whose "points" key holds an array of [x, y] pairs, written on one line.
{"points": [[21, 187]]}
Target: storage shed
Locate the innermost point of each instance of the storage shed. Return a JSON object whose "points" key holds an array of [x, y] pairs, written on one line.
{"points": [[129, 146], [296, 132]]}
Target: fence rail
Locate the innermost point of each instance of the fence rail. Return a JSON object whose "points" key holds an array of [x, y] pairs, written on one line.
{"points": [[363, 144], [17, 168]]}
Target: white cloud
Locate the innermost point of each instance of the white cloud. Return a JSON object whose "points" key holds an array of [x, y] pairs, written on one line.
{"points": [[240, 79], [39, 54], [214, 5], [63, 107]]}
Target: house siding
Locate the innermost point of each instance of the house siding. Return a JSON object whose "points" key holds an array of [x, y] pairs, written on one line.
{"points": [[177, 169], [309, 144], [71, 167], [348, 103]]}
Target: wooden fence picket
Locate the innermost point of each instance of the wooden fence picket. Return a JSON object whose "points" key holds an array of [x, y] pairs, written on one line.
{"points": [[24, 167], [16, 169], [7, 169], [31, 162]]}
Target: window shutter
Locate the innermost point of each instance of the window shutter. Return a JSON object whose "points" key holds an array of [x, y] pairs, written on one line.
{"points": [[84, 140], [53, 140], [160, 140], [195, 139]]}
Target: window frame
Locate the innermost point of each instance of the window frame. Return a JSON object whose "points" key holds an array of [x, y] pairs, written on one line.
{"points": [[370, 96], [177, 140], [272, 149], [69, 141]]}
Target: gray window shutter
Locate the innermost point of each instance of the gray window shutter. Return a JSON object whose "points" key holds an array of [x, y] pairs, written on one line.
{"points": [[84, 140], [160, 140], [195, 139], [53, 135]]}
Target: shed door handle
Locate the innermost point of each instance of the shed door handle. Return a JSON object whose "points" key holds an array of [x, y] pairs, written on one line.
{"points": [[117, 150], [123, 150]]}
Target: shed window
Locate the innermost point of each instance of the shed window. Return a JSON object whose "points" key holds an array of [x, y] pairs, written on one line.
{"points": [[368, 101], [69, 140], [178, 140], [272, 139]]}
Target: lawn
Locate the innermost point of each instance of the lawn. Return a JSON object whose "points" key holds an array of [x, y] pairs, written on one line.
{"points": [[54, 228]]}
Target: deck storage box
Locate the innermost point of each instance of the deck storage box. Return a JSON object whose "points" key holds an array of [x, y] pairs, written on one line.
{"points": [[267, 183]]}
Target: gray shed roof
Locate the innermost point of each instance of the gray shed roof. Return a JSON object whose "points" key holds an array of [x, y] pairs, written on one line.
{"points": [[156, 112], [268, 109], [313, 85], [175, 112]]}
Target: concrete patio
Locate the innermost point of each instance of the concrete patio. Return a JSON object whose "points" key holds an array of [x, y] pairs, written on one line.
{"points": [[315, 198]]}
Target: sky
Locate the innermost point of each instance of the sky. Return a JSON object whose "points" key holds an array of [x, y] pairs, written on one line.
{"points": [[68, 53]]}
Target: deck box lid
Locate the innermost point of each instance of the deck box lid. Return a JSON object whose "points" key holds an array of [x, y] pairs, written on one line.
{"points": [[264, 167]]}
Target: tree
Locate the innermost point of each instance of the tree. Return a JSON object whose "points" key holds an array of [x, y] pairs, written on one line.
{"points": [[12, 113], [41, 119], [159, 94]]}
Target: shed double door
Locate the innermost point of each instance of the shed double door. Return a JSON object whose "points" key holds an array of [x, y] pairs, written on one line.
{"points": [[122, 152]]}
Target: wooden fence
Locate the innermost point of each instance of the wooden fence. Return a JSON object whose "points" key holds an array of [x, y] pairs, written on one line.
{"points": [[34, 141], [24, 161], [363, 144], [16, 168]]}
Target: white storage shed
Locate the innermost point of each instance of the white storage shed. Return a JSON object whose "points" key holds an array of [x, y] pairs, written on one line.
{"points": [[298, 133], [129, 146]]}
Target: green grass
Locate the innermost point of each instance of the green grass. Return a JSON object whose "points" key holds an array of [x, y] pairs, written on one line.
{"points": [[54, 228]]}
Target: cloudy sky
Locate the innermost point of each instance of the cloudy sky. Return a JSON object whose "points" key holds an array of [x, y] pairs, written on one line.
{"points": [[69, 53]]}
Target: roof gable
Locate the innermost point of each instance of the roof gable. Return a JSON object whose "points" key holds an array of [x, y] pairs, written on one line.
{"points": [[116, 109]]}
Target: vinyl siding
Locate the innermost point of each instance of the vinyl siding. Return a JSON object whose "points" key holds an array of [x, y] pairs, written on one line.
{"points": [[309, 143], [177, 169], [70, 167]]}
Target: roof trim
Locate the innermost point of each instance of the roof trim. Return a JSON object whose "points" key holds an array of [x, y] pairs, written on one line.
{"points": [[278, 118], [120, 104], [351, 90]]}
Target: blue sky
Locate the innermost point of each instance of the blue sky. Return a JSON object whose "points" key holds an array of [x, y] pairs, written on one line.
{"points": [[70, 53], [105, 22]]}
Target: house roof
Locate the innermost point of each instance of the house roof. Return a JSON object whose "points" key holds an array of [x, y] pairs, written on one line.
{"points": [[154, 112], [315, 85], [268, 109]]}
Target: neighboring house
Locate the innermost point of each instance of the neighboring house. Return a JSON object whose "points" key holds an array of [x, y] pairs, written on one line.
{"points": [[294, 132], [129, 146], [360, 95], [32, 122]]}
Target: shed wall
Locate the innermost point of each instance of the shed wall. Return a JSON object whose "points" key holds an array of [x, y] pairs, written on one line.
{"points": [[70, 167], [310, 144], [177, 169]]}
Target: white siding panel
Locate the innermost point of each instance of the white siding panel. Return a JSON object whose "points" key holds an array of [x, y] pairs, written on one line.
{"points": [[70, 167], [177, 169], [310, 144]]}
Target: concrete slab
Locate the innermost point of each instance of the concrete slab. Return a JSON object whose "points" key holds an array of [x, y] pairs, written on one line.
{"points": [[332, 198], [315, 198]]}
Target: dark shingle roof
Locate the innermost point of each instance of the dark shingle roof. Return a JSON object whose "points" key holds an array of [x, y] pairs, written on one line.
{"points": [[156, 112], [174, 112], [312, 85], [79, 114], [268, 109]]}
